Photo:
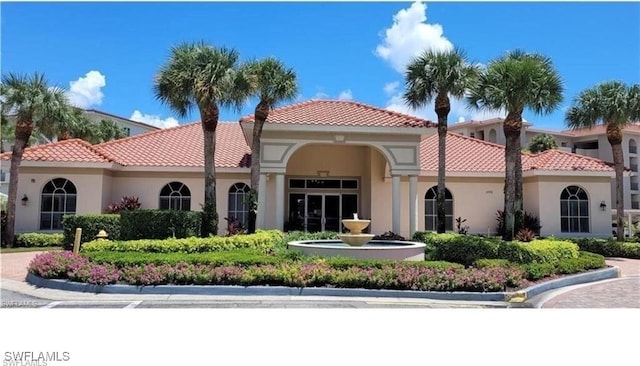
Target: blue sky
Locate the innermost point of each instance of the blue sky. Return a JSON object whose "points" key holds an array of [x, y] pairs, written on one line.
{"points": [[106, 54]]}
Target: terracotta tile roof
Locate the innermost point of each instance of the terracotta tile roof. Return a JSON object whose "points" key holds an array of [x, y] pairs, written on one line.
{"points": [[466, 154], [463, 154], [181, 146], [601, 129], [558, 160], [340, 113], [73, 150]]}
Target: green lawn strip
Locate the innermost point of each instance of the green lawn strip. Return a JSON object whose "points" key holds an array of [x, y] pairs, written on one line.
{"points": [[30, 249]]}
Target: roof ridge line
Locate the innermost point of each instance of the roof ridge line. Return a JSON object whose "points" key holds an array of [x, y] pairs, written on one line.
{"points": [[148, 133]]}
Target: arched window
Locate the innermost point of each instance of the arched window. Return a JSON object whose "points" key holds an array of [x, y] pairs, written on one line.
{"points": [[58, 199], [237, 203], [633, 148], [431, 210], [175, 196], [493, 136], [574, 210]]}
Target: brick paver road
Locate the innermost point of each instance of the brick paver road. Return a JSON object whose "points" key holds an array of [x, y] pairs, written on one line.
{"points": [[623, 292]]}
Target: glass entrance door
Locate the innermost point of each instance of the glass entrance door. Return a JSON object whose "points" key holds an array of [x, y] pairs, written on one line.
{"points": [[323, 212]]}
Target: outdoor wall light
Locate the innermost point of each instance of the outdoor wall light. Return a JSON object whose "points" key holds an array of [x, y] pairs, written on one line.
{"points": [[323, 173], [25, 200], [603, 205]]}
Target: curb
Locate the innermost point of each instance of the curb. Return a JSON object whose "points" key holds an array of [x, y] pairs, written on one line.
{"points": [[514, 298]]}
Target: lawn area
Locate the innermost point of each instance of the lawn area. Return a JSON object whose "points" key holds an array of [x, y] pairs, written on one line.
{"points": [[28, 249]]}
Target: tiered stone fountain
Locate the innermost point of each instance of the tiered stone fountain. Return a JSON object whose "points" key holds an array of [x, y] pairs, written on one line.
{"points": [[356, 244], [355, 237]]}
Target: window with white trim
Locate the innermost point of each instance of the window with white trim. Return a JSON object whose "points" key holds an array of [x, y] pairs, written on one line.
{"points": [[58, 198], [574, 210], [431, 209], [175, 196], [237, 208]]}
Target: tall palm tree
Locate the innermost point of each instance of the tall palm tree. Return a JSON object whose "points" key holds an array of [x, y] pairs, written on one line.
{"points": [[198, 75], [613, 104], [34, 103], [273, 83], [515, 82], [438, 75]]}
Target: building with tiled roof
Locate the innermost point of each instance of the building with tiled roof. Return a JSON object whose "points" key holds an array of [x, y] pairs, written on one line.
{"points": [[321, 161]]}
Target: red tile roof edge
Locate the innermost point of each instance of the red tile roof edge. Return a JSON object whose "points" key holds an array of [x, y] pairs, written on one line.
{"points": [[249, 118], [85, 144]]}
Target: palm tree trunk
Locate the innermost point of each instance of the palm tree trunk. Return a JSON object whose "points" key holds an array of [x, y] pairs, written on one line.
{"points": [[442, 109], [260, 116], [513, 174], [209, 210], [614, 135], [23, 132]]}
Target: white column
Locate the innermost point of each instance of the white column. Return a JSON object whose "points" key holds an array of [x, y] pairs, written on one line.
{"points": [[262, 201], [395, 203], [413, 204], [279, 201]]}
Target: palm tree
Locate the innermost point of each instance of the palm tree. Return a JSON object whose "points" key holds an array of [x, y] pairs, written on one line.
{"points": [[34, 103], [514, 82], [198, 75], [613, 104], [273, 83], [436, 75]]}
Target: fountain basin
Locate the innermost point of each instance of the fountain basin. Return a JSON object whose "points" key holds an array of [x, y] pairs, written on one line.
{"points": [[374, 249]]}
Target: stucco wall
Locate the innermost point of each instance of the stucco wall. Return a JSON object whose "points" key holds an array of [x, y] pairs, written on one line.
{"points": [[549, 191], [147, 186], [88, 182]]}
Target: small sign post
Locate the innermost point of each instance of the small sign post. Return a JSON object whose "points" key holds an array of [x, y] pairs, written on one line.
{"points": [[76, 241]]}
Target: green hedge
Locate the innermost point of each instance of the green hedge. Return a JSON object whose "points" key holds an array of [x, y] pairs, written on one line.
{"points": [[466, 249], [263, 241], [538, 251], [609, 248], [585, 261], [39, 240], [242, 257], [463, 249], [159, 224], [91, 226]]}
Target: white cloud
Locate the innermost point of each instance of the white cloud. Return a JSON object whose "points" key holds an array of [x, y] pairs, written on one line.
{"points": [[345, 95], [409, 36], [459, 111], [390, 88], [86, 91], [153, 120], [320, 95]]}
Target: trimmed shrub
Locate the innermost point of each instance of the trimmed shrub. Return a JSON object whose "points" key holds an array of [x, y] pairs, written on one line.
{"points": [[609, 248], [400, 276], [491, 263], [263, 241], [585, 261], [539, 251], [39, 240], [159, 224], [240, 257], [458, 248], [466, 249], [91, 226]]}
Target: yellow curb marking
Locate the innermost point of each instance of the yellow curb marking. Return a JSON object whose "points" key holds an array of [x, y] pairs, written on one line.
{"points": [[519, 296]]}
